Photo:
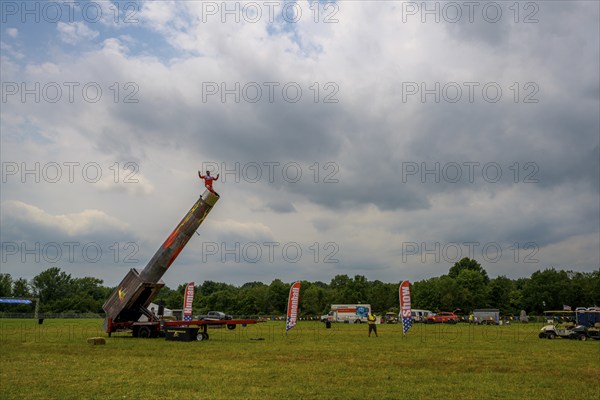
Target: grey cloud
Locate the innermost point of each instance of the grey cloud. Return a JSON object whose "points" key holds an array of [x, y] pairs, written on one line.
{"points": [[281, 207]]}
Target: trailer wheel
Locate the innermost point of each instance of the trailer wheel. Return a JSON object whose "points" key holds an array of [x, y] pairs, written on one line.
{"points": [[200, 336], [144, 332], [231, 326]]}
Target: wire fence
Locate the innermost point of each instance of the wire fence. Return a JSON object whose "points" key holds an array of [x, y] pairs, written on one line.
{"points": [[51, 315], [531, 318]]}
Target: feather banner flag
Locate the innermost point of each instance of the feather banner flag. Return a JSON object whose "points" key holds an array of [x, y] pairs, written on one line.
{"points": [[188, 299], [292, 309], [405, 306]]}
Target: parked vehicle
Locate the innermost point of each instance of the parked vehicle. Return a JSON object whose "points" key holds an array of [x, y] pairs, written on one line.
{"points": [[391, 318], [486, 316], [579, 332], [420, 315], [585, 333], [214, 316], [443, 318], [348, 313], [552, 332]]}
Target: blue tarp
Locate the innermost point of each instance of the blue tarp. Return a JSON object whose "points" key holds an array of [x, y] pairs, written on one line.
{"points": [[15, 301]]}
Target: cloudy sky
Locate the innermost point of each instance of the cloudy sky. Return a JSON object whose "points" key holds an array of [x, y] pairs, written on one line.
{"points": [[381, 138]]}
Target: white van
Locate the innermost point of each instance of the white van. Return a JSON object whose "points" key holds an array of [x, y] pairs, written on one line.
{"points": [[420, 315]]}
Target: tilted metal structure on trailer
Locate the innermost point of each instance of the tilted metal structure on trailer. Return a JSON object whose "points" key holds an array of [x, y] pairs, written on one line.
{"points": [[130, 300]]}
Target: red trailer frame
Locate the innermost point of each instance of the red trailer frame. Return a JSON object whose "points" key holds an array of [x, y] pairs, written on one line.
{"points": [[150, 329]]}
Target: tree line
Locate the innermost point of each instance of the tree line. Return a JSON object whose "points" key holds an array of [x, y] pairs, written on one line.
{"points": [[465, 287]]}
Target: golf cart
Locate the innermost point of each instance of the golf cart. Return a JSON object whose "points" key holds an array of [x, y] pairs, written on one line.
{"points": [[579, 332], [561, 324]]}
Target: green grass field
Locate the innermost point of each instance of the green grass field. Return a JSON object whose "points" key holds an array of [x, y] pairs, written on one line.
{"points": [[53, 361]]}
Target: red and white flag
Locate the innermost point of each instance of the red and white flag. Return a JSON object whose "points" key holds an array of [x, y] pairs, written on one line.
{"points": [[292, 308], [405, 306], [188, 300]]}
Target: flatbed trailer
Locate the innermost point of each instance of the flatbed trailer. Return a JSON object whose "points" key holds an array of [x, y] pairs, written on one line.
{"points": [[197, 329]]}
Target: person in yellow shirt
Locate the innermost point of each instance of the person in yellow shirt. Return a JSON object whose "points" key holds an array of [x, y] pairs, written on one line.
{"points": [[372, 320]]}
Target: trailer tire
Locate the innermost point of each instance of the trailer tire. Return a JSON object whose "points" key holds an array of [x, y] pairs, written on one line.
{"points": [[200, 336], [144, 332], [231, 326]]}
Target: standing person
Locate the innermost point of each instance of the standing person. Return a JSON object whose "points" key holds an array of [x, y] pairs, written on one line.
{"points": [[372, 320], [208, 181], [154, 317]]}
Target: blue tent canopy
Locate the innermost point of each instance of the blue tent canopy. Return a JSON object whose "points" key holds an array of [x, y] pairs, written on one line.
{"points": [[15, 301]]}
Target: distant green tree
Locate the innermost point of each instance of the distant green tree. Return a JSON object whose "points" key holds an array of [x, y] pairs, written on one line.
{"points": [[252, 299], [250, 285], [90, 286], [171, 298], [585, 289], [343, 289], [209, 287], [223, 300], [356, 291], [5, 285], [593, 289], [452, 295], [437, 294], [425, 294], [546, 290], [277, 297], [474, 290], [501, 292], [21, 288], [466, 286], [469, 264], [339, 282], [338, 292], [52, 286], [313, 299], [383, 297]]}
